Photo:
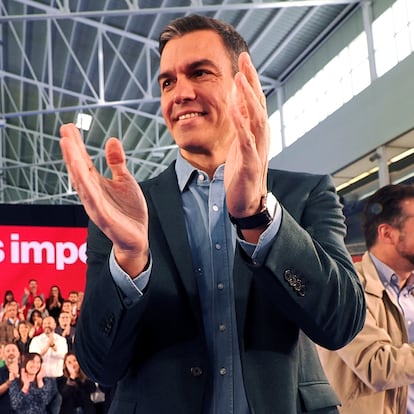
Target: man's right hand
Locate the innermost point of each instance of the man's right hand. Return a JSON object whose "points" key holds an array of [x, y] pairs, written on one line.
{"points": [[117, 206]]}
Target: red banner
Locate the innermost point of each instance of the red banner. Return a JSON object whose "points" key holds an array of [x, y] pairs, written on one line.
{"points": [[51, 255]]}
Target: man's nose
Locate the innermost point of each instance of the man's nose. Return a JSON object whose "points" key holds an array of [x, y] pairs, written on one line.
{"points": [[184, 90]]}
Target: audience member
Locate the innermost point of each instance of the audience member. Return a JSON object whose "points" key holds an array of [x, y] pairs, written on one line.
{"points": [[51, 347], [2, 362], [32, 392], [39, 305], [80, 300], [25, 332], [8, 373], [67, 308], [8, 326], [375, 372], [214, 304], [36, 320], [75, 388], [66, 330], [30, 293], [8, 297], [54, 302], [74, 301]]}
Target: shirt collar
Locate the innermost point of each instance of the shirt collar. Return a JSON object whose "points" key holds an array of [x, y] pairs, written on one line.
{"points": [[185, 172], [389, 277]]}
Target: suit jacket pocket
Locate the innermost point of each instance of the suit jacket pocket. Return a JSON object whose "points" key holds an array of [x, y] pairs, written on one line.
{"points": [[318, 397]]}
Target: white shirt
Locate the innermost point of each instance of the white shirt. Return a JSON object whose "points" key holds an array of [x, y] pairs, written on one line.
{"points": [[52, 360]]}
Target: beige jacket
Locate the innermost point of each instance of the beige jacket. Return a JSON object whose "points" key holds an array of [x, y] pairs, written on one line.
{"points": [[371, 373]]}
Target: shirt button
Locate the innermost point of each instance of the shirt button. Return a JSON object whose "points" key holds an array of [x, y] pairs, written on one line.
{"points": [[222, 327], [223, 371], [200, 177], [218, 246], [220, 286], [196, 371], [215, 207]]}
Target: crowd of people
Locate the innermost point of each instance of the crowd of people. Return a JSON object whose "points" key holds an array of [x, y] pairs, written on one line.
{"points": [[39, 371]]}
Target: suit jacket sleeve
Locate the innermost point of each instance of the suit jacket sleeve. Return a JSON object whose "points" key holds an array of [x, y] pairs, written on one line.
{"points": [[308, 269]]}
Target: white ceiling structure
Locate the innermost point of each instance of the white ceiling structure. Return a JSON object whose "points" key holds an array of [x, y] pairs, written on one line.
{"points": [[59, 58]]}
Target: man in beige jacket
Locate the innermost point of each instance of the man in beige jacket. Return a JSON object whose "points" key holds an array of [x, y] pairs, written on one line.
{"points": [[374, 374]]}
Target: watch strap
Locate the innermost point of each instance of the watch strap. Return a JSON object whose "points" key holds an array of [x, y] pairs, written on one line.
{"points": [[261, 219]]}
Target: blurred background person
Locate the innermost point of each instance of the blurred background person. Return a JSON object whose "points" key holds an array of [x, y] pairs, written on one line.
{"points": [[8, 297], [9, 324], [39, 305], [31, 393], [374, 373], [52, 348], [30, 292], [75, 388], [67, 307], [74, 300], [36, 320], [25, 332], [66, 330], [8, 373], [54, 302]]}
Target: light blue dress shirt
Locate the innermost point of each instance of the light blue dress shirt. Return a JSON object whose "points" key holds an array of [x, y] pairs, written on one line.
{"points": [[405, 299], [212, 240]]}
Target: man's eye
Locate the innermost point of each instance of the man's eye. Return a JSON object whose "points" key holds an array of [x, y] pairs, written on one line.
{"points": [[166, 84], [199, 72]]}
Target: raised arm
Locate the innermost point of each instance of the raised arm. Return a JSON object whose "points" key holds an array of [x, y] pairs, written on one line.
{"points": [[117, 205]]}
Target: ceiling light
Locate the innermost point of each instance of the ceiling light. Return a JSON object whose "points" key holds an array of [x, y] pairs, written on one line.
{"points": [[357, 178], [83, 121], [402, 155]]}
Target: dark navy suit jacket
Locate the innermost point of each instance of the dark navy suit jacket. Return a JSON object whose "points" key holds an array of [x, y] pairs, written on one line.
{"points": [[156, 349]]}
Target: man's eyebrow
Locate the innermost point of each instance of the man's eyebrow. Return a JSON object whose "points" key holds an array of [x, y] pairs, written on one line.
{"points": [[190, 67]]}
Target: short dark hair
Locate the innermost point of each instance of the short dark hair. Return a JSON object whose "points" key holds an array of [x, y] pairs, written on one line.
{"points": [[384, 206], [232, 40]]}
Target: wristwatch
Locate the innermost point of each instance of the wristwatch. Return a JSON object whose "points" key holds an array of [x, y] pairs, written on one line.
{"points": [[261, 219]]}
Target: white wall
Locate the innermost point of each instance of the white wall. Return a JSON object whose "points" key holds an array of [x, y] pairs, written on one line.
{"points": [[377, 115]]}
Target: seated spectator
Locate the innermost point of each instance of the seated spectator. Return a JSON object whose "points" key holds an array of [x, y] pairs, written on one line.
{"points": [[30, 293], [39, 305], [66, 330], [54, 302], [75, 388], [8, 373], [25, 333], [36, 320], [33, 391], [8, 326]]}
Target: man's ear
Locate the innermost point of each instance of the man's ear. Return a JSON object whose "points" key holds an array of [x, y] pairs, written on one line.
{"points": [[387, 233]]}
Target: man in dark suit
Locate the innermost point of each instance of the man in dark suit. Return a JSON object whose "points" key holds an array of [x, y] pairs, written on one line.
{"points": [[202, 281]]}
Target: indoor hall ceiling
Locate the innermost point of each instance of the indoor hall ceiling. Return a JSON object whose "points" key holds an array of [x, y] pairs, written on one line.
{"points": [[59, 58]]}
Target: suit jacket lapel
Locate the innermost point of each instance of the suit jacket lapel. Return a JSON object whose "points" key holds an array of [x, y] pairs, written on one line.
{"points": [[242, 279], [168, 205]]}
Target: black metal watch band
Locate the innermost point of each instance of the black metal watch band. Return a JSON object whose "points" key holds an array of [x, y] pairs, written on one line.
{"points": [[261, 219]]}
